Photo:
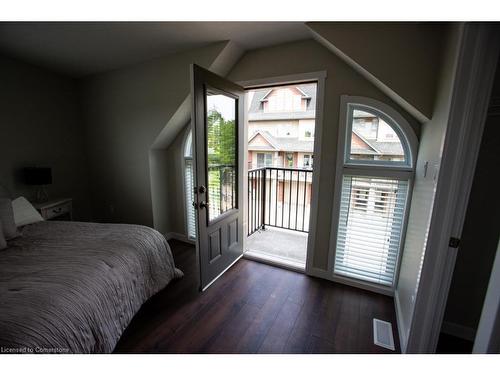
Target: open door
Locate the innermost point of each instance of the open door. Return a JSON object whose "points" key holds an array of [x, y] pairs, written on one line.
{"points": [[217, 121]]}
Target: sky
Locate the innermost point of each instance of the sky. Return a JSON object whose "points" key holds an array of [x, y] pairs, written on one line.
{"points": [[223, 104]]}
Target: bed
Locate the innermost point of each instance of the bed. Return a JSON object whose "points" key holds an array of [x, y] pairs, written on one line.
{"points": [[74, 287]]}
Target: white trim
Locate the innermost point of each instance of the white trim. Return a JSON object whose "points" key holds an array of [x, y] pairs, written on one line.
{"points": [[458, 330], [318, 139], [396, 121], [245, 179], [477, 60], [273, 261], [397, 171], [283, 80], [362, 285], [179, 237], [378, 171], [320, 78], [318, 272], [399, 320]]}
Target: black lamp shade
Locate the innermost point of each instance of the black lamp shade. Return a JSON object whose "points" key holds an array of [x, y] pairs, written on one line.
{"points": [[38, 176]]}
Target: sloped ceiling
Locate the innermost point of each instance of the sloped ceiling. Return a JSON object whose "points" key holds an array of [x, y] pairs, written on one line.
{"points": [[401, 58], [225, 60], [83, 48]]}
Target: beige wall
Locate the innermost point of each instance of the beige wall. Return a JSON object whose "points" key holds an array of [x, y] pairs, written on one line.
{"points": [[126, 110], [430, 150], [309, 56], [400, 56], [40, 125]]}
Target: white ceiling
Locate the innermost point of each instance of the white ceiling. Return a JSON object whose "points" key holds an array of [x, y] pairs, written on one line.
{"points": [[83, 48]]}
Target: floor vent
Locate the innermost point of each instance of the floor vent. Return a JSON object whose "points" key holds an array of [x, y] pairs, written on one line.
{"points": [[382, 334]]}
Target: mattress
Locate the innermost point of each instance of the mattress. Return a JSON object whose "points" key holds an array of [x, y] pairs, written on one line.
{"points": [[69, 287]]}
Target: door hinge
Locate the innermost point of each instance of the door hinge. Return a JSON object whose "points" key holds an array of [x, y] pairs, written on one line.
{"points": [[454, 242]]}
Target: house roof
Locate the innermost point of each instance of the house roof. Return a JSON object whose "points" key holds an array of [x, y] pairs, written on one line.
{"points": [[256, 113], [294, 144], [368, 149], [374, 147], [286, 144], [389, 148]]}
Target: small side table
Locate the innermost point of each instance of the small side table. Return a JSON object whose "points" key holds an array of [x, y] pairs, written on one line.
{"points": [[56, 209]]}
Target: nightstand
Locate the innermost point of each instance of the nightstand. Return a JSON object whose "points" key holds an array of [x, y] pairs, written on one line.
{"points": [[56, 209]]}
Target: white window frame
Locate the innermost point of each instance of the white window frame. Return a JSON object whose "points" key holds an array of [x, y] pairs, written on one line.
{"points": [[320, 78], [376, 168]]}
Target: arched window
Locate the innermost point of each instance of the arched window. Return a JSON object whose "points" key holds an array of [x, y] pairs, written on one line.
{"points": [[376, 159], [189, 186]]}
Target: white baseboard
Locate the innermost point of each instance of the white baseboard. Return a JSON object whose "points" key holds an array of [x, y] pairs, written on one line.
{"points": [[179, 237], [274, 261], [403, 340], [458, 330]]}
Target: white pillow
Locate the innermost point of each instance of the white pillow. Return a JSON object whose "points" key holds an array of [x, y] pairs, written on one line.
{"points": [[24, 212]]}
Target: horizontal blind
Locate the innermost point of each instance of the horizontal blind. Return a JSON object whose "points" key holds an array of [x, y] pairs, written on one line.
{"points": [[191, 220], [370, 226]]}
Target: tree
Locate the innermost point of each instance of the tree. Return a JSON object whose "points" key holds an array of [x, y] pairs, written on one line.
{"points": [[221, 140], [221, 145]]}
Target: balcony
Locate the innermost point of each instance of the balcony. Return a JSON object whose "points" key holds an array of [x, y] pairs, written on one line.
{"points": [[279, 205]]}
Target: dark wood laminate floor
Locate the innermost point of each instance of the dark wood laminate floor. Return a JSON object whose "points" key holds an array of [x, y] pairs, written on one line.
{"points": [[256, 308]]}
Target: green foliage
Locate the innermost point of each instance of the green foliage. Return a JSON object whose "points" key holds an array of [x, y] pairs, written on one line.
{"points": [[221, 158], [221, 140]]}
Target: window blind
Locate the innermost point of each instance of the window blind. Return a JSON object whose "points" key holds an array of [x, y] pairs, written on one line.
{"points": [[370, 227], [191, 220]]}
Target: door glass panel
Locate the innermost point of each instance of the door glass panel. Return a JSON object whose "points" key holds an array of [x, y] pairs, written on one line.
{"points": [[221, 153]]}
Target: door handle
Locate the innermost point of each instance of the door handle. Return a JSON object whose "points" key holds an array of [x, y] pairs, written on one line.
{"points": [[202, 189], [204, 204]]}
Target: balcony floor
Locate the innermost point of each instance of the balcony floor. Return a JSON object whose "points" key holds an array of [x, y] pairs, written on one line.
{"points": [[279, 245]]}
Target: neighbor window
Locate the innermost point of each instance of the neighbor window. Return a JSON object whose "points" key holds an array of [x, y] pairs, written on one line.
{"points": [[307, 161], [264, 160], [376, 170], [289, 160]]}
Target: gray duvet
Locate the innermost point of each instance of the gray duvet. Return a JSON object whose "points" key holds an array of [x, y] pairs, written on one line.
{"points": [[74, 287]]}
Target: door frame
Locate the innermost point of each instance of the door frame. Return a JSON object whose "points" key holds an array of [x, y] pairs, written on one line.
{"points": [[320, 78], [476, 65]]}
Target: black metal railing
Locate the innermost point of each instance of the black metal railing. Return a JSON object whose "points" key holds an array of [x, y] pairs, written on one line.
{"points": [[221, 189], [279, 197]]}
